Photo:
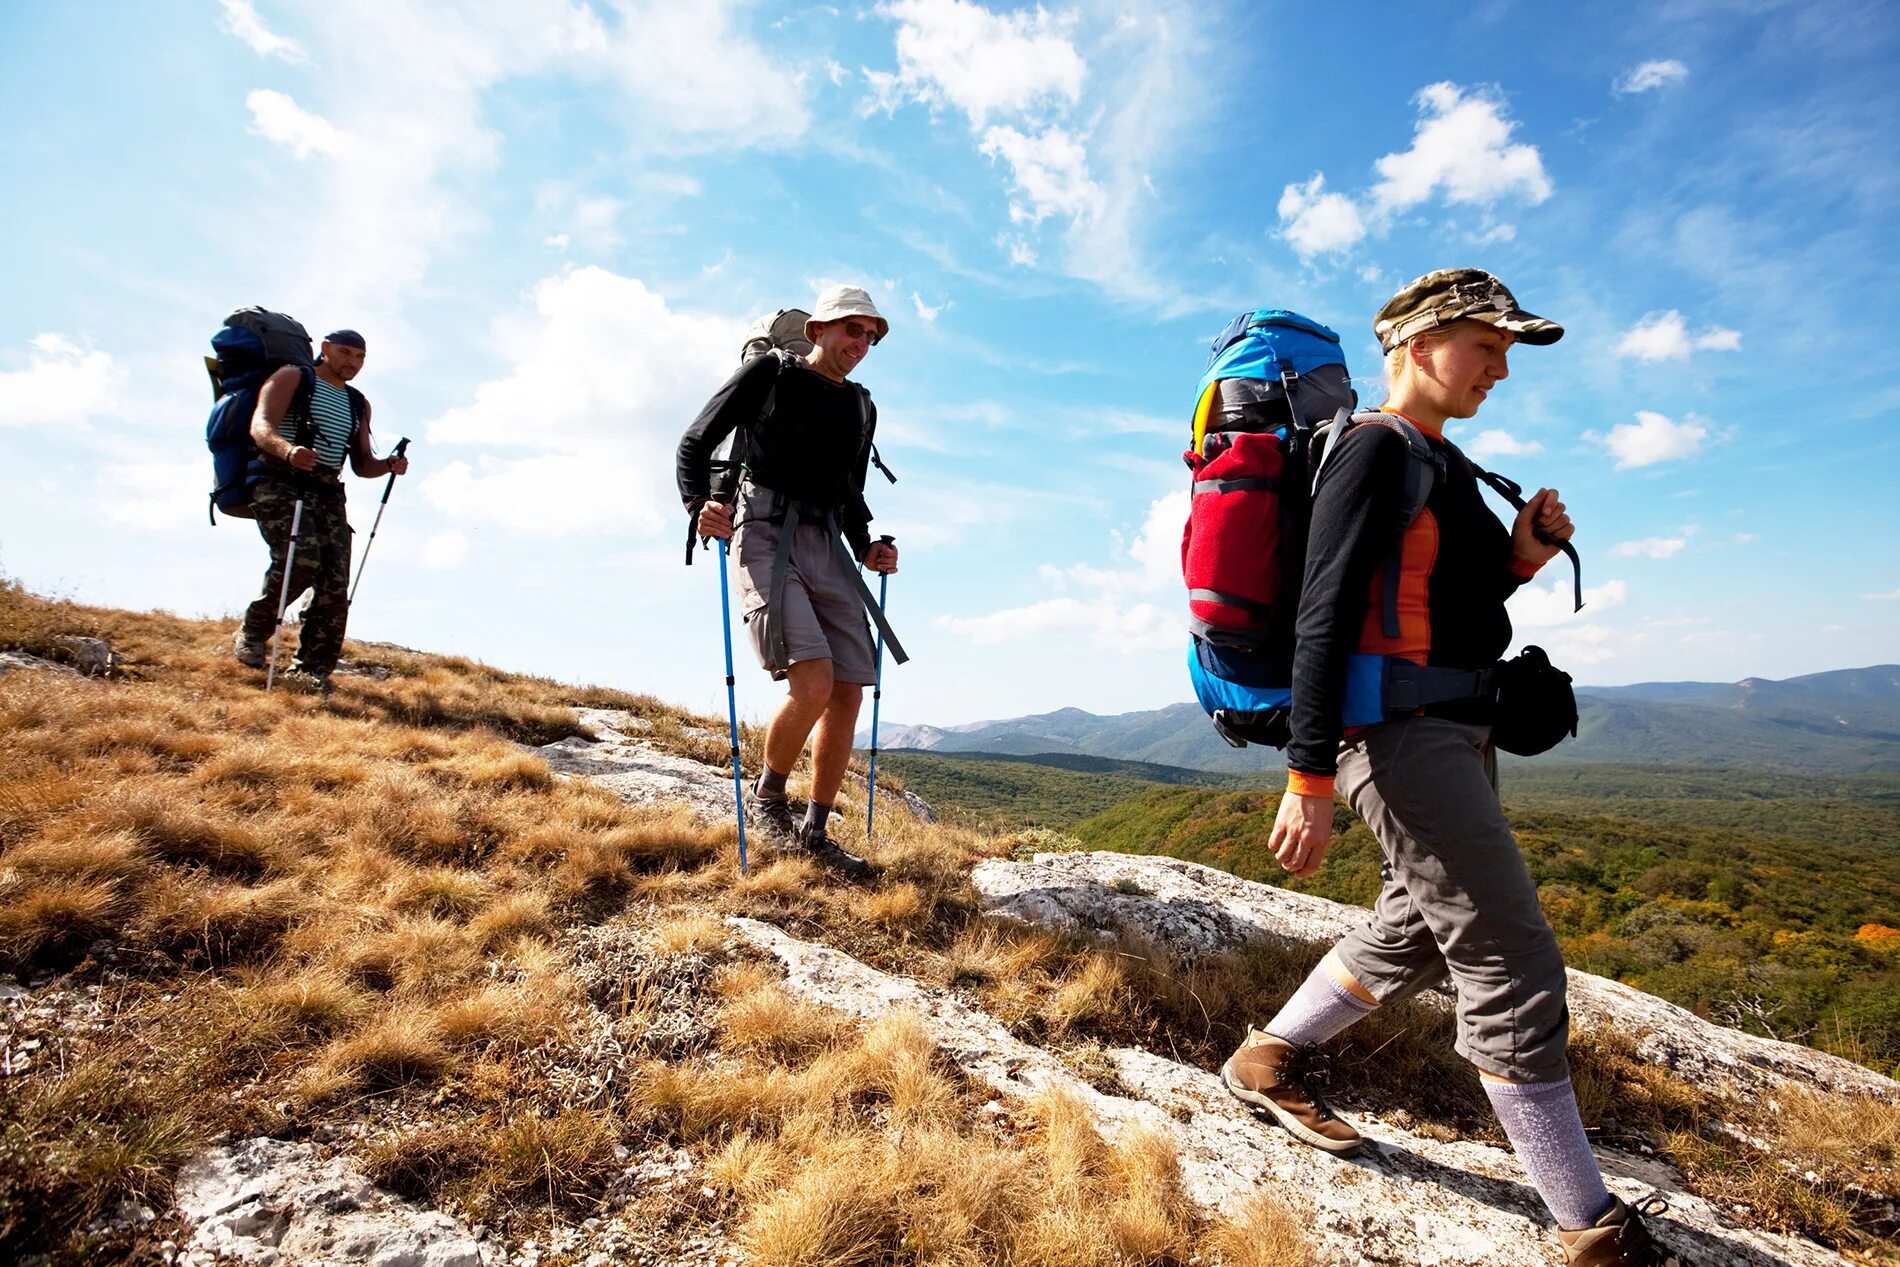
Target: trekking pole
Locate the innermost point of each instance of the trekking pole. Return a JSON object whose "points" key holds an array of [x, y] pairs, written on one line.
{"points": [[877, 697], [283, 597], [364, 561], [732, 704]]}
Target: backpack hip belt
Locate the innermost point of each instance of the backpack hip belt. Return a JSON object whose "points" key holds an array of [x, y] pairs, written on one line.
{"points": [[788, 513]]}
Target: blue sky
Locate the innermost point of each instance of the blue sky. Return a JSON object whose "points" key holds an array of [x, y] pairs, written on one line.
{"points": [[552, 220]]}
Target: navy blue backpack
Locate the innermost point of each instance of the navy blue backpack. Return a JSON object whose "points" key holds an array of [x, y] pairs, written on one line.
{"points": [[253, 344]]}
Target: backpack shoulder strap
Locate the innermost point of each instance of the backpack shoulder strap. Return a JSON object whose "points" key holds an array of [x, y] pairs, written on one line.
{"points": [[866, 426], [300, 407], [1511, 491], [1423, 467]]}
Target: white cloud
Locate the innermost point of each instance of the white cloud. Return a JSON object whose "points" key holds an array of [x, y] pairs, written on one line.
{"points": [[1650, 548], [1664, 336], [1500, 444], [1543, 606], [1462, 154], [1890, 596], [1652, 438], [925, 313], [1462, 151], [241, 20], [578, 437], [1651, 75], [62, 385], [445, 551], [983, 63], [404, 86], [1133, 606], [155, 495], [1049, 173], [1315, 222], [278, 119]]}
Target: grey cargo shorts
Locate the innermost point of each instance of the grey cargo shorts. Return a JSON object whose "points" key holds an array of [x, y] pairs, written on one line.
{"points": [[824, 615], [1458, 899]]}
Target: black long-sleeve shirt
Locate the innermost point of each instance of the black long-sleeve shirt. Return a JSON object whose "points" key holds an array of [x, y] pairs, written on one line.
{"points": [[814, 449], [1455, 573]]}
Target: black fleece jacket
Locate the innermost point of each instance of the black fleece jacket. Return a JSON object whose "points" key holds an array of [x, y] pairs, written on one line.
{"points": [[815, 448]]}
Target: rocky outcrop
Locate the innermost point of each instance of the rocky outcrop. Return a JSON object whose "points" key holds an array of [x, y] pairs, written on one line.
{"points": [[1407, 1199], [1191, 910], [636, 770], [266, 1201]]}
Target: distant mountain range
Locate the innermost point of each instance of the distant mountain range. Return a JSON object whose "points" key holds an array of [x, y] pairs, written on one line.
{"points": [[1845, 721]]}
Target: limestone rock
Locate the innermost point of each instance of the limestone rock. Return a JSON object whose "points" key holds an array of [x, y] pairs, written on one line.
{"points": [[1192, 910], [637, 771], [93, 656], [271, 1202], [1406, 1200]]}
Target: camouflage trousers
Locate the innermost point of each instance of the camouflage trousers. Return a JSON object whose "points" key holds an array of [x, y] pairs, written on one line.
{"points": [[322, 566]]}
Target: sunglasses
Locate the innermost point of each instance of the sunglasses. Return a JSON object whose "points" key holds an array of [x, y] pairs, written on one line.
{"points": [[857, 331]]}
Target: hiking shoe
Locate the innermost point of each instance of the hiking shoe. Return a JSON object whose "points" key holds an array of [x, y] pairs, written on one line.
{"points": [[304, 682], [771, 820], [828, 854], [248, 653], [1280, 1078], [1619, 1239]]}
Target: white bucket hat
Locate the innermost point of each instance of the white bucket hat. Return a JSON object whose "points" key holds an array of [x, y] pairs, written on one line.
{"points": [[846, 301]]}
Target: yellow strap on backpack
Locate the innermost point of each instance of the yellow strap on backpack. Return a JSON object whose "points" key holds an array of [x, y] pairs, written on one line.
{"points": [[1210, 400]]}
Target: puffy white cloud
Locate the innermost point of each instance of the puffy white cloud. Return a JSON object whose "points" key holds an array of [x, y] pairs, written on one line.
{"points": [[982, 63], [1316, 222], [925, 313], [1461, 151], [241, 20], [279, 119], [1652, 438], [1650, 548], [1664, 336], [1553, 602], [1049, 174], [62, 385], [1497, 443], [577, 435], [1461, 154], [1651, 75]]}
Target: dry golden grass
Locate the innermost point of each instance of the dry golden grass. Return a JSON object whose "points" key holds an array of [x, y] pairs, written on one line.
{"points": [[345, 904]]}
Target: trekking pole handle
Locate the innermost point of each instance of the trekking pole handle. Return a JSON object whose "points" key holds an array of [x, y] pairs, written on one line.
{"points": [[394, 453]]}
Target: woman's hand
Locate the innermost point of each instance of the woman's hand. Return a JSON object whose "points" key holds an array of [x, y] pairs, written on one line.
{"points": [[1301, 831], [1538, 528]]}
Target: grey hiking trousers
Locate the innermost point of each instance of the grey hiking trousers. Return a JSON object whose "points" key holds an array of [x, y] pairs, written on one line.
{"points": [[1458, 900]]}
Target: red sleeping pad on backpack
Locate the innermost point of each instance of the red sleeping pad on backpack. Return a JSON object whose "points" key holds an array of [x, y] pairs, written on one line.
{"points": [[1236, 502]]}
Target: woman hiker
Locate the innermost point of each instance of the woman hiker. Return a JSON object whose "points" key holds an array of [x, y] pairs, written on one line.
{"points": [[1458, 899]]}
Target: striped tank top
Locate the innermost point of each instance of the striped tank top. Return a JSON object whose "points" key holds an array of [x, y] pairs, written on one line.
{"points": [[330, 416]]}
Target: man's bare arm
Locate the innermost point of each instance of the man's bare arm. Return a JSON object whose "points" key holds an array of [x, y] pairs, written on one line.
{"points": [[273, 402]]}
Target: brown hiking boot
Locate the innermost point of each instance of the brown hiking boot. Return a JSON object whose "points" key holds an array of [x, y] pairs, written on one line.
{"points": [[1277, 1076], [1619, 1239], [247, 653]]}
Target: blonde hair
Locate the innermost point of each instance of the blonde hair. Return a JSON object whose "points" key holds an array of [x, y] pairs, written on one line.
{"points": [[1397, 358]]}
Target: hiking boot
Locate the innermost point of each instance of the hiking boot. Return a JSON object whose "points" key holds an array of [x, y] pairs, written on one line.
{"points": [[771, 820], [304, 682], [248, 653], [828, 854], [1619, 1239], [1279, 1077]]}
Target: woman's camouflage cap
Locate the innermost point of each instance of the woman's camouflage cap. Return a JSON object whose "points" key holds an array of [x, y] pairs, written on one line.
{"points": [[1458, 294]]}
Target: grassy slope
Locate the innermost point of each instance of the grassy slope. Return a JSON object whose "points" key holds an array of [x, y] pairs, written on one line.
{"points": [[376, 916]]}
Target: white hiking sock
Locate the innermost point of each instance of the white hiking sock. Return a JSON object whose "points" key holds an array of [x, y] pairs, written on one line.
{"points": [[1541, 1120], [1320, 1009]]}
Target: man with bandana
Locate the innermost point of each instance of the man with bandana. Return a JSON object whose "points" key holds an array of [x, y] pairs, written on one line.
{"points": [[305, 426]]}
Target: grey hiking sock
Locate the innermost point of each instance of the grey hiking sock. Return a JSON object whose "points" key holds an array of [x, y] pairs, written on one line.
{"points": [[771, 785], [815, 816], [1320, 1009], [1547, 1135]]}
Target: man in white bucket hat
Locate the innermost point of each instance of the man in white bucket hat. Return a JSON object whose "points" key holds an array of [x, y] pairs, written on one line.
{"points": [[800, 528]]}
